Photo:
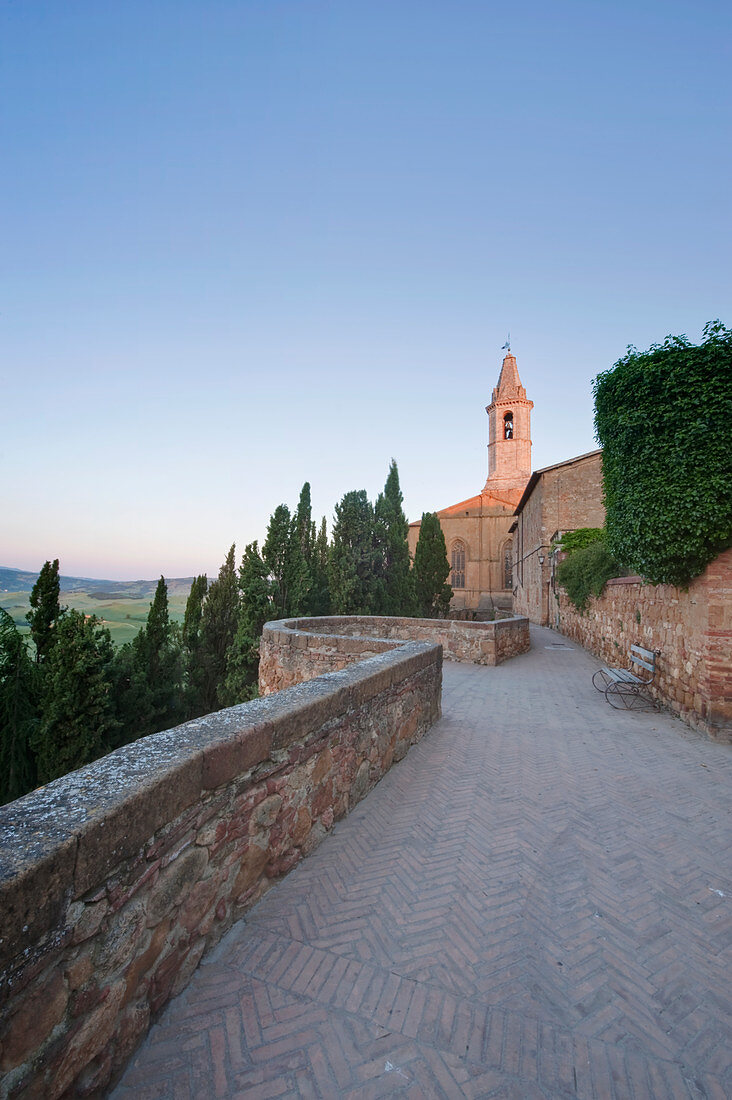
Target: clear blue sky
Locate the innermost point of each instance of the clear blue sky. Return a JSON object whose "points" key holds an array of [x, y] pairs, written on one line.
{"points": [[245, 244]]}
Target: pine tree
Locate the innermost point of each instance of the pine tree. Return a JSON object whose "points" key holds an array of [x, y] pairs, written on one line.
{"points": [[19, 701], [393, 529], [356, 587], [242, 663], [218, 628], [191, 642], [46, 610], [76, 717], [431, 569]]}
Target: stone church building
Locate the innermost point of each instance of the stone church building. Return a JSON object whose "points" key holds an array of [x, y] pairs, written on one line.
{"points": [[479, 545]]}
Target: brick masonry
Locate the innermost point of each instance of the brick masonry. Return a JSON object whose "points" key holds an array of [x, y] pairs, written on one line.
{"points": [[691, 630], [117, 879], [296, 650]]}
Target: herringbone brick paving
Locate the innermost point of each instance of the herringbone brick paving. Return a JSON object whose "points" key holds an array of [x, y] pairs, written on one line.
{"points": [[534, 903]]}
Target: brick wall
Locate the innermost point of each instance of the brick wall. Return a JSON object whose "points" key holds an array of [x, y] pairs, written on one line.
{"points": [[691, 630], [116, 879], [295, 650]]}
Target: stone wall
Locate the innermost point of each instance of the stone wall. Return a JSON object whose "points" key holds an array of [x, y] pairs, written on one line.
{"points": [[558, 498], [295, 650], [116, 879], [691, 630]]}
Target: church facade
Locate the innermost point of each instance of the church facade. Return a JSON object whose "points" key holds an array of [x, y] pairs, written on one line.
{"points": [[479, 544]]}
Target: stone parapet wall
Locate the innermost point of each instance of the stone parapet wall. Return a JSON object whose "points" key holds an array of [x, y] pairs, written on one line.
{"points": [[116, 879], [691, 630], [295, 650]]}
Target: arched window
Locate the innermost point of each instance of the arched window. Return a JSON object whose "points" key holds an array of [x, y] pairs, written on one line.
{"points": [[508, 426], [508, 565], [457, 575]]}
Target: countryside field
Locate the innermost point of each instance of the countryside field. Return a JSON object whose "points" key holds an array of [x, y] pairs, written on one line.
{"points": [[123, 615]]}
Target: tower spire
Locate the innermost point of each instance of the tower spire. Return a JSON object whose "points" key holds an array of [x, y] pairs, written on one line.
{"points": [[509, 429]]}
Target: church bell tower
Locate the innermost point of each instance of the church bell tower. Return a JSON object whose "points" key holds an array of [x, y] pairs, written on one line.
{"points": [[509, 431]]}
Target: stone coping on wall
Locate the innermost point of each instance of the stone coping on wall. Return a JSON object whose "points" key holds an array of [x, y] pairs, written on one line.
{"points": [[487, 643]]}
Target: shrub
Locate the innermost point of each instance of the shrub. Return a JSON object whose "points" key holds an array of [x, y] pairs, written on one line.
{"points": [[586, 570]]}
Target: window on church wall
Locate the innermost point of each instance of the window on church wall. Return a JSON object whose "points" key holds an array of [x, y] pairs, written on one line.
{"points": [[457, 574], [508, 565], [508, 426]]}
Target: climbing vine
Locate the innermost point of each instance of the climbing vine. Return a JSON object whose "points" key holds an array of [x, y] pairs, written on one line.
{"points": [[664, 420], [588, 565]]}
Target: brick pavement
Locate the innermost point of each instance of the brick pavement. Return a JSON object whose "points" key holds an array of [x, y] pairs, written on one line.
{"points": [[534, 903]]}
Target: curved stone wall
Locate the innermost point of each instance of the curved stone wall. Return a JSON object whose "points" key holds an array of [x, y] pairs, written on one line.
{"points": [[116, 879], [295, 650]]}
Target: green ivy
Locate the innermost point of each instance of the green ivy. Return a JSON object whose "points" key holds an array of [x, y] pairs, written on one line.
{"points": [[586, 569], [577, 540], [663, 418]]}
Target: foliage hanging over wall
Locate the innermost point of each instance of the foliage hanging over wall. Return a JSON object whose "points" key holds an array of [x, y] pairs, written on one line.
{"points": [[664, 420], [588, 566], [578, 539]]}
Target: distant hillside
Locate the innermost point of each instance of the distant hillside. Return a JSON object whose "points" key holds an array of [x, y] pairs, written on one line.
{"points": [[121, 605], [16, 580]]}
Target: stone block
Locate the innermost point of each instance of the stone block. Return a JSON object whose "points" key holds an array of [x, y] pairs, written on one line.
{"points": [[33, 1021]]}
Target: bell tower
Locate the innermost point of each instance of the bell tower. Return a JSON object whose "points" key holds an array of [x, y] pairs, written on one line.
{"points": [[509, 430]]}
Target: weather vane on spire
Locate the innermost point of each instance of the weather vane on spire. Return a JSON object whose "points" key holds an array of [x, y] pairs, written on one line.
{"points": [[507, 345]]}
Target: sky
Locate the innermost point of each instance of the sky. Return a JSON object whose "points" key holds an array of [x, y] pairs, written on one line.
{"points": [[250, 243]]}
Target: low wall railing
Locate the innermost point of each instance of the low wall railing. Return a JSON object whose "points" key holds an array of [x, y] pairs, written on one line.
{"points": [[295, 650], [117, 878]]}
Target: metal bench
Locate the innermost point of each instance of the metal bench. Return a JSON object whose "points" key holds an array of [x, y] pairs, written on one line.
{"points": [[622, 687]]}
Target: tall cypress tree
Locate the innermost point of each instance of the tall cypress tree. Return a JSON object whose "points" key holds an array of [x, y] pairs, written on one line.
{"points": [[431, 569], [77, 717], [392, 530], [319, 602], [19, 700], [286, 563], [304, 523], [242, 663], [218, 628], [147, 675], [356, 584], [191, 642], [45, 609]]}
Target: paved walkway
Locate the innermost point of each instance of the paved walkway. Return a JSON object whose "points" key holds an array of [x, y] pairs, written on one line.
{"points": [[536, 902]]}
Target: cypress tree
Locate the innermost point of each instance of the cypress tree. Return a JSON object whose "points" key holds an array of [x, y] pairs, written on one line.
{"points": [[191, 642], [393, 529], [45, 609], [286, 564], [147, 675], [158, 664], [431, 569], [19, 699], [77, 719], [242, 663], [356, 586], [319, 602], [218, 628], [304, 524]]}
